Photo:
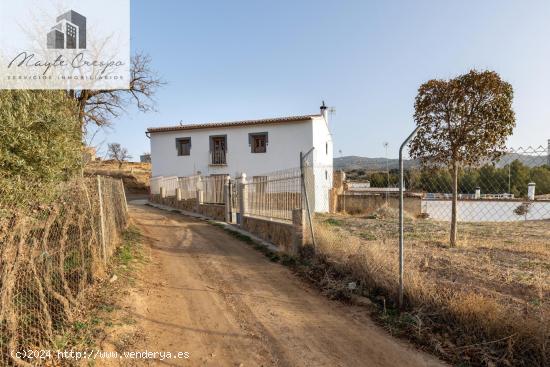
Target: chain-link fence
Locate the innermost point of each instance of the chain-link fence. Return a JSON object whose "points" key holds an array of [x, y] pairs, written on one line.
{"points": [[53, 246], [486, 298], [480, 296]]}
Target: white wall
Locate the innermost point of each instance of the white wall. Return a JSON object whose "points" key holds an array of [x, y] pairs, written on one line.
{"points": [[322, 161], [286, 140], [484, 210]]}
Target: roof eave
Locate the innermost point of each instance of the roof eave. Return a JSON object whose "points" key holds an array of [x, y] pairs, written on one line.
{"points": [[280, 120]]}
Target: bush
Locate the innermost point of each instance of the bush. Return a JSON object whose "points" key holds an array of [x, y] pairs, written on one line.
{"points": [[41, 145], [41, 136]]}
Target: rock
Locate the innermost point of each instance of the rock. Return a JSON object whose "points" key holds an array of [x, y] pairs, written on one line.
{"points": [[362, 301], [113, 278]]}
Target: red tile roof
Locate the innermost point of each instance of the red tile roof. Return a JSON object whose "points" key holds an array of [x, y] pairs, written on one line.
{"points": [[276, 120]]}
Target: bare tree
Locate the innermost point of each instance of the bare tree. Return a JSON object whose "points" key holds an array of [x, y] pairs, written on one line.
{"points": [[116, 152], [463, 121], [99, 107]]}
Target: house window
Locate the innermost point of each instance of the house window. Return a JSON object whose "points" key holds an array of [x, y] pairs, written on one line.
{"points": [[218, 149], [184, 146], [258, 142]]}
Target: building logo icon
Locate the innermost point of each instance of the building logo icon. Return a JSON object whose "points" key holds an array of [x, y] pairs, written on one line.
{"points": [[69, 33]]}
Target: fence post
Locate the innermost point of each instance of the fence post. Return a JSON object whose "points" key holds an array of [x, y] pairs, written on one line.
{"points": [[123, 193], [101, 219], [162, 192], [303, 179], [243, 198], [199, 193], [298, 234], [401, 216], [178, 194], [227, 199]]}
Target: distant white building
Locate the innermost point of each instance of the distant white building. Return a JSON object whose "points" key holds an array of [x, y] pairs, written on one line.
{"points": [[254, 147], [145, 158]]}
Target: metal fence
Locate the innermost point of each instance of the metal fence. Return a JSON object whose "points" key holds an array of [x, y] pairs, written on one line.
{"points": [[213, 188], [188, 186], [274, 195], [54, 244], [494, 281], [154, 184]]}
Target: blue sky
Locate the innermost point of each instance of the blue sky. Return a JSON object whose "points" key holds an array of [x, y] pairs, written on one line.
{"points": [[231, 60]]}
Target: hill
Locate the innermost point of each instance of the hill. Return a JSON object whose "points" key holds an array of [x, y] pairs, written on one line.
{"points": [[347, 163], [371, 164], [134, 175]]}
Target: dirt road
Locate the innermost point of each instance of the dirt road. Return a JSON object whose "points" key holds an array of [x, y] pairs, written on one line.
{"points": [[211, 295]]}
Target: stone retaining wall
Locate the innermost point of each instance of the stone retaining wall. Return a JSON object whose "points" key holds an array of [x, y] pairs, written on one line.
{"points": [[285, 235], [288, 236], [214, 211]]}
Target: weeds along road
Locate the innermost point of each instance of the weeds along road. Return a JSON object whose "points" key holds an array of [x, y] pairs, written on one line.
{"points": [[207, 293]]}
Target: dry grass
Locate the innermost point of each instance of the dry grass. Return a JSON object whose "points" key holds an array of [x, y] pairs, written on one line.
{"points": [[135, 175], [485, 302]]}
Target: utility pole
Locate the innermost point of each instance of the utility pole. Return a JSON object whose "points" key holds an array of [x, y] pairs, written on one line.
{"points": [[386, 144], [509, 178]]}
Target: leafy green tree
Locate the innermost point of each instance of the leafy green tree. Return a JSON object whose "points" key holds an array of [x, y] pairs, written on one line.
{"points": [[463, 122], [469, 181], [492, 180], [40, 136], [541, 176], [519, 178]]}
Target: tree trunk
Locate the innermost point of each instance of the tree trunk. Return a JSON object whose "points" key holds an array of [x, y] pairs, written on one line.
{"points": [[454, 218]]}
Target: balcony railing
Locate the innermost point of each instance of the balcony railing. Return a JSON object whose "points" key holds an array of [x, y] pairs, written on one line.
{"points": [[218, 157]]}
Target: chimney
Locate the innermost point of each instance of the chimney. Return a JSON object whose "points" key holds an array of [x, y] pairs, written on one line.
{"points": [[324, 112]]}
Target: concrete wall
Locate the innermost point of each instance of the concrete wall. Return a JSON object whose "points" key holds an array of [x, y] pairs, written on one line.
{"points": [[285, 141], [366, 204], [485, 210]]}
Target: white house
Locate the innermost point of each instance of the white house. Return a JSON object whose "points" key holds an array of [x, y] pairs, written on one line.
{"points": [[254, 147]]}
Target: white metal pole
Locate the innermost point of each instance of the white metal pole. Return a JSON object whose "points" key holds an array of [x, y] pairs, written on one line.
{"points": [[401, 216]]}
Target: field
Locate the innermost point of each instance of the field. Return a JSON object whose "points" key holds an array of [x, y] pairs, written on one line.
{"points": [[135, 175], [484, 301]]}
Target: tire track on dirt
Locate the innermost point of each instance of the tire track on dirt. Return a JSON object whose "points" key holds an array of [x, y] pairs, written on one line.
{"points": [[229, 306]]}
